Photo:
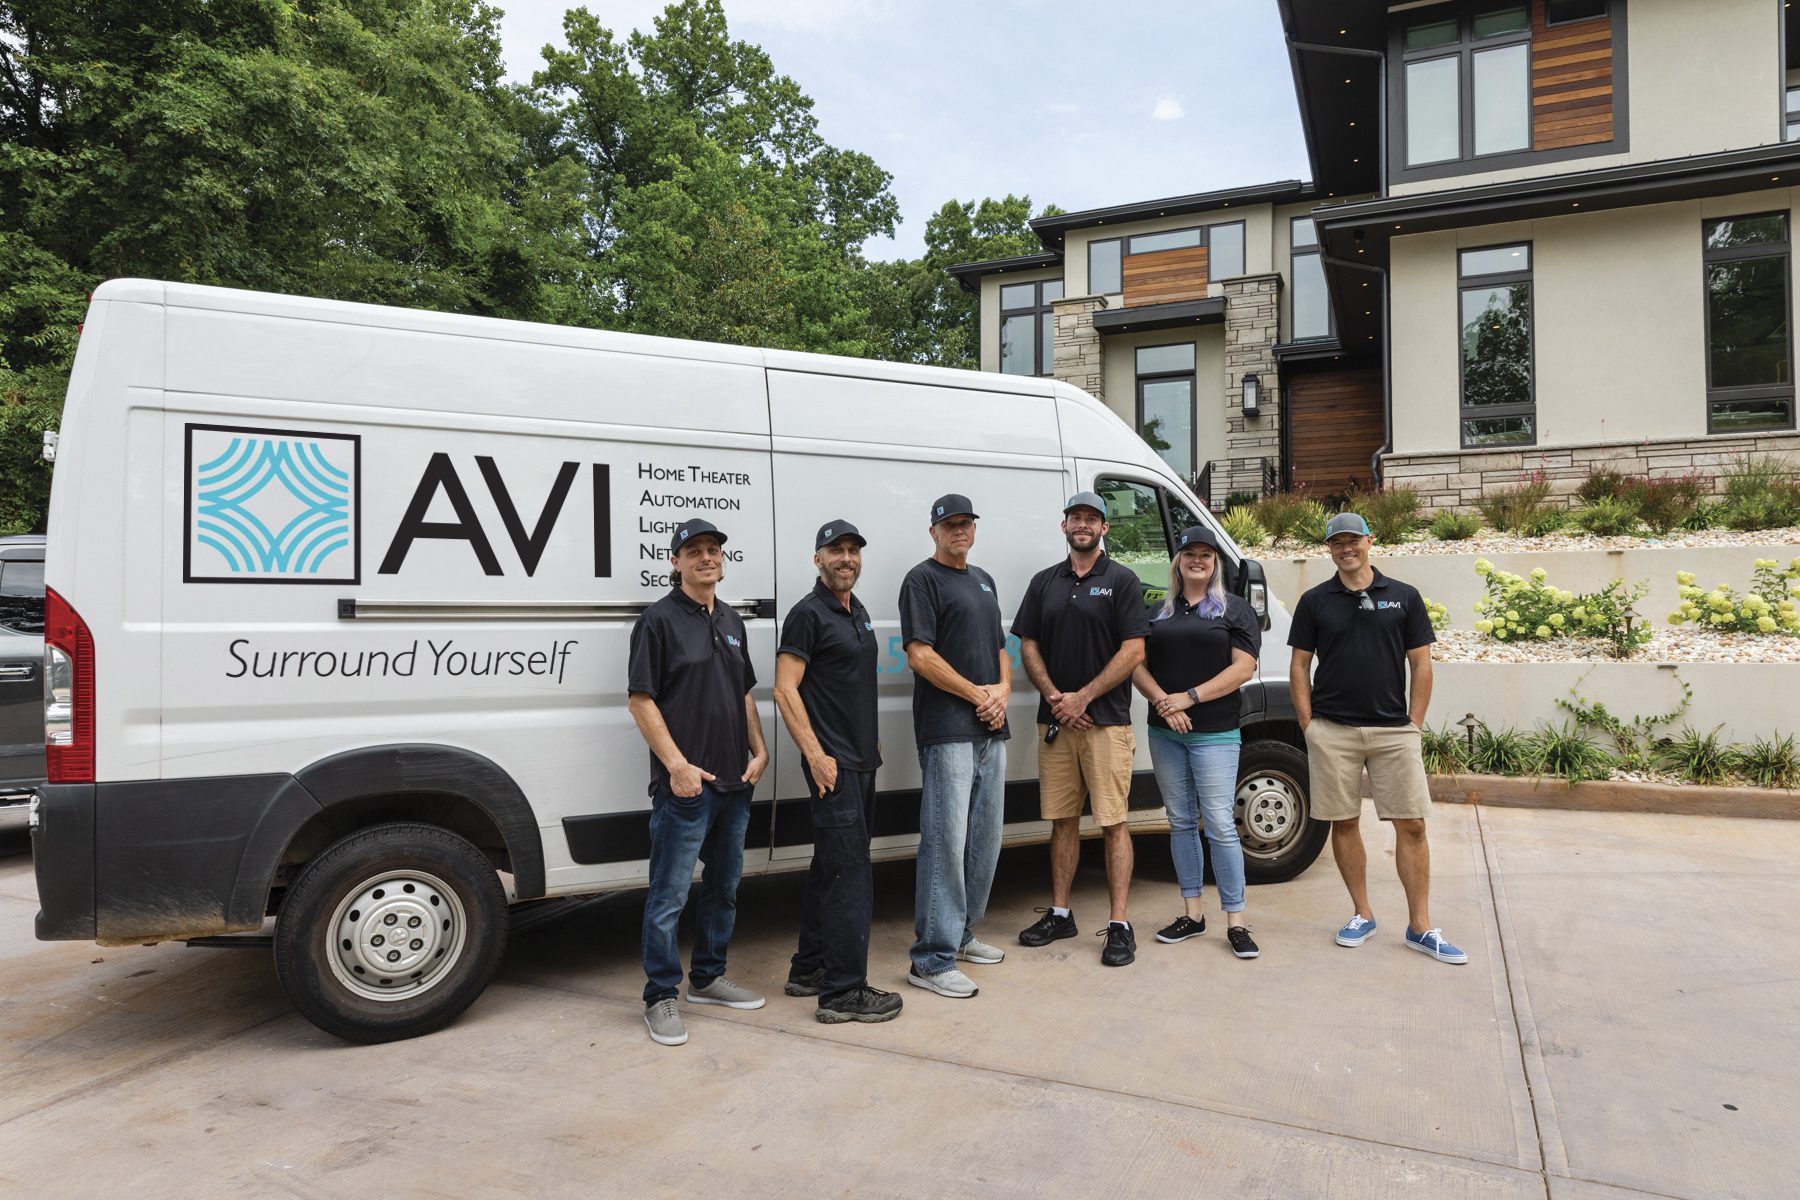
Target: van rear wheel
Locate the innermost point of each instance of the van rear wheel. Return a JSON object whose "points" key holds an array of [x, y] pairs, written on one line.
{"points": [[391, 932], [1273, 813]]}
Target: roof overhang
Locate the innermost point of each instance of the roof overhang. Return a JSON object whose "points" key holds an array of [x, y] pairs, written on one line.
{"points": [[1050, 230], [1177, 314], [970, 274], [1336, 50]]}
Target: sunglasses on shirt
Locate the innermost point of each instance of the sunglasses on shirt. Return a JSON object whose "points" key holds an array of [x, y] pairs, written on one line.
{"points": [[1363, 603]]}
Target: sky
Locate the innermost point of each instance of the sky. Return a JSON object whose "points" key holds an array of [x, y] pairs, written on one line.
{"points": [[1043, 98]]}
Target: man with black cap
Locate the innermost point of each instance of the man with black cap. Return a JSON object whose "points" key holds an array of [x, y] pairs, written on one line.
{"points": [[962, 680], [1081, 627], [825, 688], [1360, 712], [690, 679]]}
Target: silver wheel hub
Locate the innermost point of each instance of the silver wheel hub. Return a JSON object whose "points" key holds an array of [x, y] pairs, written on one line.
{"points": [[396, 935], [1268, 812]]}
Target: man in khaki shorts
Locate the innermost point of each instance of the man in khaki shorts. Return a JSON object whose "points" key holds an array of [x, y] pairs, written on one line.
{"points": [[1367, 630], [1081, 626]]}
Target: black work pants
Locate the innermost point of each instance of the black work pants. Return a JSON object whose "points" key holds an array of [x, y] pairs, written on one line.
{"points": [[840, 888]]}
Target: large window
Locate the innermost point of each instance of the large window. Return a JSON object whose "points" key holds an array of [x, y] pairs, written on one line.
{"points": [[1105, 267], [1312, 306], [1225, 250], [1494, 301], [1165, 403], [1749, 351], [1466, 85], [1224, 256], [1028, 327]]}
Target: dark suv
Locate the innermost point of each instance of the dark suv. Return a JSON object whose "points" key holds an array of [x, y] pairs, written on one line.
{"points": [[21, 674]]}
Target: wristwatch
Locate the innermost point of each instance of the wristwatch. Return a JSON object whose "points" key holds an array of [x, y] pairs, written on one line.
{"points": [[1192, 696]]}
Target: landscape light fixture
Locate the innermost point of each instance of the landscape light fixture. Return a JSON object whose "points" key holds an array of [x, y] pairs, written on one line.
{"points": [[1252, 391], [1469, 726]]}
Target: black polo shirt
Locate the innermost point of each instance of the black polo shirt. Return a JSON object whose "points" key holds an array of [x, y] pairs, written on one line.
{"points": [[838, 690], [1361, 675], [1186, 649], [957, 613], [696, 666], [1079, 622]]}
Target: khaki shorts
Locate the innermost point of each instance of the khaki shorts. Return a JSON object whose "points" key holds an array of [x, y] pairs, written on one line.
{"points": [[1082, 763], [1336, 755]]}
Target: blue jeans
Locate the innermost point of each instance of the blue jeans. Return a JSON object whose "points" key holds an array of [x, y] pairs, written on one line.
{"points": [[709, 829], [961, 810], [1197, 783]]}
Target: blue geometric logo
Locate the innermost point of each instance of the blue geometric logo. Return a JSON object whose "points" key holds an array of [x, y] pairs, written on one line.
{"points": [[271, 506]]}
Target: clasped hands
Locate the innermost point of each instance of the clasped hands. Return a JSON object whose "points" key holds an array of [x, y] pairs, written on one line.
{"points": [[990, 710], [1069, 710], [1172, 708]]}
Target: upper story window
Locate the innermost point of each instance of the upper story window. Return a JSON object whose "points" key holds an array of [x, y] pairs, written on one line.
{"points": [[1499, 405], [1467, 85], [1312, 306], [1224, 245], [1028, 327], [1749, 349], [1793, 114]]}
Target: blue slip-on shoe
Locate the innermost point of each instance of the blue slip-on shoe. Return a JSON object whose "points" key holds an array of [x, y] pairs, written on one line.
{"points": [[1356, 932], [1432, 942]]}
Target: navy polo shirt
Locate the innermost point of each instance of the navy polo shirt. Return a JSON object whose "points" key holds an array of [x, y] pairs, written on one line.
{"points": [[1361, 648], [1079, 622], [957, 613], [838, 690], [696, 666], [1186, 649]]}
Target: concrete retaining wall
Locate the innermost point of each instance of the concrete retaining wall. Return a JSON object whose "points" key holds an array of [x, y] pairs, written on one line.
{"points": [[1749, 699]]}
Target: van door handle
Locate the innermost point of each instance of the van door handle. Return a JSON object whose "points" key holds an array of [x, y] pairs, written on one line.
{"points": [[15, 671]]}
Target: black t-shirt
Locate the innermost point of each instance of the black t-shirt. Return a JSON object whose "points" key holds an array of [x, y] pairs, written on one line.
{"points": [[1361, 647], [697, 668], [838, 647], [1079, 622], [957, 614], [1186, 649]]}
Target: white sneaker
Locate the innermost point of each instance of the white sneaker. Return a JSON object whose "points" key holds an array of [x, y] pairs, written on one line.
{"points": [[952, 983], [977, 951]]}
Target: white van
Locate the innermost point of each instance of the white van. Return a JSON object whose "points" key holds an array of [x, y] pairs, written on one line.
{"points": [[339, 600]]}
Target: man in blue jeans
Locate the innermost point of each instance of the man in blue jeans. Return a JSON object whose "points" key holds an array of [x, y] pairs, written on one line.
{"points": [[690, 679], [962, 680]]}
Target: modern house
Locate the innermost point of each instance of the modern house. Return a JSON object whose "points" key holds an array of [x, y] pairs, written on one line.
{"points": [[1548, 234]]}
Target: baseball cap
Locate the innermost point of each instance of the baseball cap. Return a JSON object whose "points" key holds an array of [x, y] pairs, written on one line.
{"points": [[1086, 500], [1196, 535], [952, 505], [831, 531], [694, 528], [1347, 522]]}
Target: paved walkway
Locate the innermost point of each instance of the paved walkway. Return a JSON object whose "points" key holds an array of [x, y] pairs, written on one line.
{"points": [[1629, 1026]]}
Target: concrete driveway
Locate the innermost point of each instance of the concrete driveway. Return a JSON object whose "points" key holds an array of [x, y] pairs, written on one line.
{"points": [[1629, 1025]]}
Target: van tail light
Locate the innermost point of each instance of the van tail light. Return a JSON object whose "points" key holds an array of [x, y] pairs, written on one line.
{"points": [[68, 693]]}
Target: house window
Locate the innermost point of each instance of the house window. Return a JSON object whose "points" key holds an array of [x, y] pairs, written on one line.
{"points": [[1165, 403], [1225, 250], [1312, 307], [1105, 268], [1793, 114], [1028, 327], [1494, 301], [1749, 351], [1567, 12], [1169, 239], [1466, 85]]}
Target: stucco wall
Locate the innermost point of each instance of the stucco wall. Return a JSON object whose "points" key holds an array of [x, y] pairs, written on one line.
{"points": [[1209, 381]]}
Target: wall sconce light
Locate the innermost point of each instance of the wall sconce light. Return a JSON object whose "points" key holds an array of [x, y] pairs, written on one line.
{"points": [[1252, 393]]}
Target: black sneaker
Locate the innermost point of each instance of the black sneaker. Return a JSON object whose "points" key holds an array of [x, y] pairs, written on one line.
{"points": [[1048, 929], [1181, 929], [1121, 945], [865, 1004], [1242, 944], [805, 984]]}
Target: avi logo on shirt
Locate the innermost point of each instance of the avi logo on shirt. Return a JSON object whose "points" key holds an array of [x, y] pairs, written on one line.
{"points": [[986, 588], [732, 641], [869, 625], [1387, 604], [1099, 591]]}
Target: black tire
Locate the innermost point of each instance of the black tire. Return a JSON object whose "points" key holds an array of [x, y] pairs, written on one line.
{"points": [[1272, 807], [434, 904]]}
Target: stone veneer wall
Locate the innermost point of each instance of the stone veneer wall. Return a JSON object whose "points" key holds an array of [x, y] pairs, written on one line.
{"points": [[1458, 480], [1252, 327], [1077, 358]]}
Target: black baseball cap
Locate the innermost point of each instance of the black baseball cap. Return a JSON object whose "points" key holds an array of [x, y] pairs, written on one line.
{"points": [[831, 531], [1197, 535], [694, 527], [952, 505]]}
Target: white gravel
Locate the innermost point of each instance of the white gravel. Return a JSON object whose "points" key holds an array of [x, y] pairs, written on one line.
{"points": [[1490, 542], [1681, 644]]}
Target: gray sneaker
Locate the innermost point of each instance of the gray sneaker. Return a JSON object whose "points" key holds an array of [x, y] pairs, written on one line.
{"points": [[952, 983], [723, 991], [977, 951], [665, 1024]]}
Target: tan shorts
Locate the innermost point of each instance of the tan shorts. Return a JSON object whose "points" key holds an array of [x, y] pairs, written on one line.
{"points": [[1086, 763], [1336, 755]]}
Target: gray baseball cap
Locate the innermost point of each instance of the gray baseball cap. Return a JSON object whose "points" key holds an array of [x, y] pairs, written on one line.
{"points": [[1091, 500], [1347, 522]]}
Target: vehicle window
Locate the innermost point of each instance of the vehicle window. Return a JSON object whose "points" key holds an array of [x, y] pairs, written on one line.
{"points": [[1136, 536], [22, 597]]}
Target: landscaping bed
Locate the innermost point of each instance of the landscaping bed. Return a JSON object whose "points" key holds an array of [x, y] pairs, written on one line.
{"points": [[1681, 644], [1609, 795], [1490, 541]]}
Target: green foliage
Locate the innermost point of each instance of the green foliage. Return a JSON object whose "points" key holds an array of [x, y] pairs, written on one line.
{"points": [[1243, 528], [1602, 483], [1446, 751], [1453, 526], [1545, 520], [1291, 516], [25, 485], [1241, 499], [1440, 616], [1524, 508], [1771, 606], [1503, 752], [1309, 529], [1520, 609], [1634, 741], [1760, 493], [1666, 502], [1392, 513], [1768, 762], [1608, 517], [1568, 752], [1697, 757]]}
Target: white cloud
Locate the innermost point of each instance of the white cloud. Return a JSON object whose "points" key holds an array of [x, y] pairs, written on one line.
{"points": [[1062, 108], [1168, 108]]}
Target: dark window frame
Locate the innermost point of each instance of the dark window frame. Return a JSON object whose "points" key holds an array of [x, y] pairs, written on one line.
{"points": [[1150, 233], [1783, 250], [1551, 22], [1484, 282], [1192, 376], [1042, 357], [1295, 254], [1790, 119]]}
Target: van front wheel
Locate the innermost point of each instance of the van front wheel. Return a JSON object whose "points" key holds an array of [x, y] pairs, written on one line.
{"points": [[390, 933], [1272, 809]]}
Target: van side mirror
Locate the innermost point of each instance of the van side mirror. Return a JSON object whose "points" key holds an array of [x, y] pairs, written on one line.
{"points": [[1255, 587]]}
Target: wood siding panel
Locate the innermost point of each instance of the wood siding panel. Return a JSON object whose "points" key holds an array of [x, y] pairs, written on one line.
{"points": [[1165, 276], [1571, 82], [1334, 427]]}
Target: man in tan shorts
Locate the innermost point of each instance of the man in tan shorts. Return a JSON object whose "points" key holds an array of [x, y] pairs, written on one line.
{"points": [[1360, 712], [1081, 626]]}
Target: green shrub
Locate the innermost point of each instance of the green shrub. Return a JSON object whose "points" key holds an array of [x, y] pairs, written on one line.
{"points": [[1451, 526], [1310, 527], [1524, 508], [1772, 605], [1705, 516], [1290, 516], [1768, 762], [1608, 517], [1446, 751], [1392, 513], [1544, 521], [1666, 502], [1635, 741], [1241, 500], [1243, 527], [1568, 753], [1517, 609], [1440, 616], [1602, 483], [1760, 493], [1503, 752], [1698, 757]]}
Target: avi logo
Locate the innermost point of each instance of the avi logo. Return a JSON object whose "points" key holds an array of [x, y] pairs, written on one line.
{"points": [[1387, 604], [1099, 591], [272, 506]]}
